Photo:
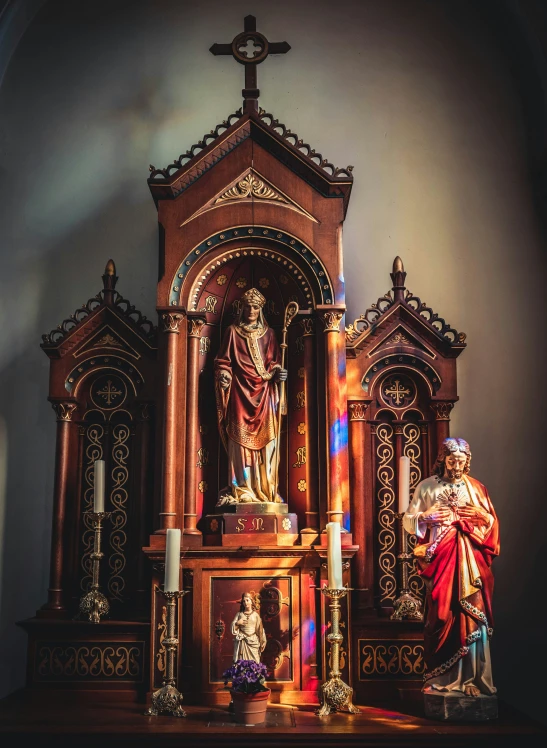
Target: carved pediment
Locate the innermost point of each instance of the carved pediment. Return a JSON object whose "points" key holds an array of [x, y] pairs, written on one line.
{"points": [[399, 337], [106, 338], [271, 135], [88, 324], [431, 332], [250, 186]]}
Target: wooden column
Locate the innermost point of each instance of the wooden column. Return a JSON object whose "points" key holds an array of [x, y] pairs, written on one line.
{"points": [[171, 323], [336, 417], [357, 452], [442, 409], [312, 524], [64, 412], [195, 325]]}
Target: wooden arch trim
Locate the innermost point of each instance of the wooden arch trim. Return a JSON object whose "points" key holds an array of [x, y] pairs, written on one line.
{"points": [[265, 239], [95, 364], [394, 361]]}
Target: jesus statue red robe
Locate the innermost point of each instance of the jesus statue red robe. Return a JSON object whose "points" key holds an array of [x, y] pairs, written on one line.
{"points": [[458, 536]]}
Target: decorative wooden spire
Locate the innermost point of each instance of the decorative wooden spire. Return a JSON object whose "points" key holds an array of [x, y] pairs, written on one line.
{"points": [[109, 282], [398, 279], [250, 48]]}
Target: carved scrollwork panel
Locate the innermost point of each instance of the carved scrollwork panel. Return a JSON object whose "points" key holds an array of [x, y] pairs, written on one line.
{"points": [[385, 513], [121, 434], [413, 450], [89, 661], [390, 659]]}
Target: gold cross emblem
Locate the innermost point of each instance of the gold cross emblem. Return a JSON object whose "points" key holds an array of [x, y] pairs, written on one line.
{"points": [[397, 391], [109, 392]]}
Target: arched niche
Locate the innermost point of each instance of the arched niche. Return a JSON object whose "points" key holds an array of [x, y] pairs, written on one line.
{"points": [[214, 288]]}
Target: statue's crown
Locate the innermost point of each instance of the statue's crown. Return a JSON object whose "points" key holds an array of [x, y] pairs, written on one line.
{"points": [[253, 296]]}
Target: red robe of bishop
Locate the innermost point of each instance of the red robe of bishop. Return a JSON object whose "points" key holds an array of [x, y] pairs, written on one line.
{"points": [[247, 408]]}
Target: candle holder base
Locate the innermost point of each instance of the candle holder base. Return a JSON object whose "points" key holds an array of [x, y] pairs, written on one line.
{"points": [[336, 696], [407, 607], [94, 605], [166, 701]]}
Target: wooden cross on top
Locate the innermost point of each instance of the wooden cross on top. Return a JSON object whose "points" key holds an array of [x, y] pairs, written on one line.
{"points": [[250, 48]]}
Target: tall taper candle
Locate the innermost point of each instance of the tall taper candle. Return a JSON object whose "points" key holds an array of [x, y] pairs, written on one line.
{"points": [[98, 487], [334, 556], [404, 483], [172, 561]]}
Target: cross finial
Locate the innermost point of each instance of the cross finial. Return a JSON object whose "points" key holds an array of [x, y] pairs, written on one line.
{"points": [[250, 48]]}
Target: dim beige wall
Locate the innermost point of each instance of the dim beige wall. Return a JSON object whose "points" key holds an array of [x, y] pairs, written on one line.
{"points": [[414, 94]]}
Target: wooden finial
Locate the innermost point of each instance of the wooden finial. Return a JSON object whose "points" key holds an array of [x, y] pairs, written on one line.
{"points": [[110, 268], [398, 266], [109, 282], [398, 279]]}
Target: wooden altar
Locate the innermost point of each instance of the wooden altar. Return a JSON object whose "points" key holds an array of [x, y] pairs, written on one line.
{"points": [[249, 205]]}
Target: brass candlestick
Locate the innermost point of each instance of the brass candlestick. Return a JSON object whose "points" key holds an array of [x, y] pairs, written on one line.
{"points": [[167, 699], [407, 606], [335, 695], [94, 604]]}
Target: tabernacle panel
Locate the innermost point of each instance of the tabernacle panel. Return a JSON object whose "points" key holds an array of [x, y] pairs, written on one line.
{"points": [[272, 597]]}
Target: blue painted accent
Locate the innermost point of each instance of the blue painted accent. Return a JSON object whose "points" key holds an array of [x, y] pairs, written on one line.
{"points": [[305, 254], [339, 435], [346, 522]]}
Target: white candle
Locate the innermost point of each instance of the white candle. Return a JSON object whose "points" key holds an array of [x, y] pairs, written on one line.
{"points": [[172, 561], [98, 487], [404, 483], [334, 556]]}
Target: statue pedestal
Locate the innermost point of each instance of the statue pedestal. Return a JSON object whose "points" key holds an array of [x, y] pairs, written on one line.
{"points": [[454, 706], [253, 524]]}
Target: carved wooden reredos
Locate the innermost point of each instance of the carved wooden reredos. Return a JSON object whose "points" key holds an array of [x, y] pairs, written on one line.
{"points": [[250, 205]]}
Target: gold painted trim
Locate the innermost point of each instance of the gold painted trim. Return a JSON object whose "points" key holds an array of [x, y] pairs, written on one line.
{"points": [[385, 316], [376, 349], [193, 292], [400, 365], [84, 349], [214, 202], [100, 368]]}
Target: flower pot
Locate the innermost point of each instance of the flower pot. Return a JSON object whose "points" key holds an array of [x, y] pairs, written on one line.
{"points": [[250, 708]]}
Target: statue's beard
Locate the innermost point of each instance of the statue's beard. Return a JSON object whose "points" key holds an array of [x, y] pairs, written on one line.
{"points": [[454, 473]]}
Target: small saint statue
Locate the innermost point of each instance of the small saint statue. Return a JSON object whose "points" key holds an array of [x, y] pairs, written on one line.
{"points": [[247, 374], [457, 538], [250, 639]]}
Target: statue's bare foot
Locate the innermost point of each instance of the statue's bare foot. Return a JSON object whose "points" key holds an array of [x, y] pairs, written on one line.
{"points": [[470, 690]]}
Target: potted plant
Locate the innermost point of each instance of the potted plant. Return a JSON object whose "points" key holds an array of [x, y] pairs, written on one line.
{"points": [[249, 694]]}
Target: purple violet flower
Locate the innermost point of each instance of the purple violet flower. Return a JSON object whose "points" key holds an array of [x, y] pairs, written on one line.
{"points": [[247, 676]]}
